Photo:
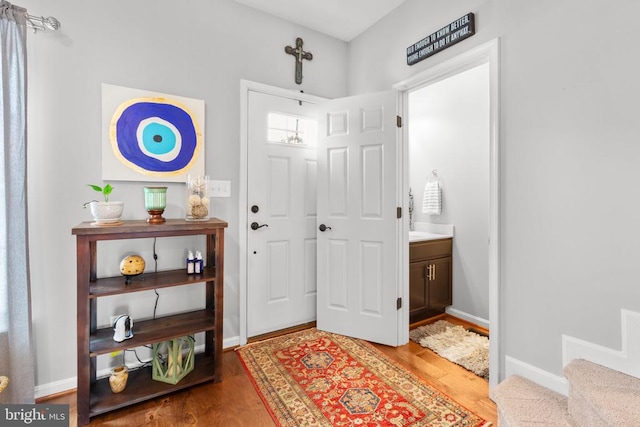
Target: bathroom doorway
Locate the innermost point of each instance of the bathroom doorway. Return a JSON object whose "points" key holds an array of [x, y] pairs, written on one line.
{"points": [[449, 137], [474, 230]]}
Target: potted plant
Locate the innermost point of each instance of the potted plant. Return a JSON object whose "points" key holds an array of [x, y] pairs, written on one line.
{"points": [[105, 212]]}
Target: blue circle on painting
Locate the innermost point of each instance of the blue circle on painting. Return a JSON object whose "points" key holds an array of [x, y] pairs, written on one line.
{"points": [[156, 137]]}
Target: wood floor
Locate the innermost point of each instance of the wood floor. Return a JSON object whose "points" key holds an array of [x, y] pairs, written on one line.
{"points": [[234, 401]]}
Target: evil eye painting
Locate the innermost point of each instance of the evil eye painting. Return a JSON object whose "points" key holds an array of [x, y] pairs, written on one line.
{"points": [[151, 136], [155, 136]]}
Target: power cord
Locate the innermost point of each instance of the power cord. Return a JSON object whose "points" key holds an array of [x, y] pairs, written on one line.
{"points": [[142, 364], [155, 255], [155, 307], [155, 258]]}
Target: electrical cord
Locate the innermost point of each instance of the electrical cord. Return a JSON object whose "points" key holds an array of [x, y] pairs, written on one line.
{"points": [[142, 364], [155, 258], [155, 255], [155, 307]]}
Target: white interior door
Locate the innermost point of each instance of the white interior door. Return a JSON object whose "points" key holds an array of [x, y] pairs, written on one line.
{"points": [[358, 251], [281, 203]]}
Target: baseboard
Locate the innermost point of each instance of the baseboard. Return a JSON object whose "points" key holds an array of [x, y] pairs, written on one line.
{"points": [[231, 342], [468, 317], [546, 379], [68, 384], [626, 360], [55, 387]]}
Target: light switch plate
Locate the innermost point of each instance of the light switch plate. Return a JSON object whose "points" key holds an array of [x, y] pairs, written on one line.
{"points": [[220, 188]]}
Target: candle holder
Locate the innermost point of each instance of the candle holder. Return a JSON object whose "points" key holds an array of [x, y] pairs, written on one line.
{"points": [[155, 201], [173, 359]]}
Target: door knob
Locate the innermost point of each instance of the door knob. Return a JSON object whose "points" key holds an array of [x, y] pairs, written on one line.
{"points": [[255, 225], [324, 228]]}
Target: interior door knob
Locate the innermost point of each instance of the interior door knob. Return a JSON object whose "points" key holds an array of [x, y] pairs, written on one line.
{"points": [[255, 225], [324, 228]]}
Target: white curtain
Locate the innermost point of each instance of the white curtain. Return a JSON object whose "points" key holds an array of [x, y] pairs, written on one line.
{"points": [[16, 354]]}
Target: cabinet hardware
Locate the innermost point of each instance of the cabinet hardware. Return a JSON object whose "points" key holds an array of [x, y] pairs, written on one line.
{"points": [[431, 272]]}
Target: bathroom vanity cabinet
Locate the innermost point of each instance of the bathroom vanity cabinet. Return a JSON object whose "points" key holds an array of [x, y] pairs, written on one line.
{"points": [[430, 284]]}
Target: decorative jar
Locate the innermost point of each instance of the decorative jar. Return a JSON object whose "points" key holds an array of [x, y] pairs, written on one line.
{"points": [[118, 378], [197, 198]]}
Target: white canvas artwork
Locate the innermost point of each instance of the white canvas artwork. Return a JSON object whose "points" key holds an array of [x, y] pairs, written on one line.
{"points": [[149, 136]]}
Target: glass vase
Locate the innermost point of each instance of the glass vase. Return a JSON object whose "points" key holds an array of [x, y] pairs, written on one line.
{"points": [[197, 198]]}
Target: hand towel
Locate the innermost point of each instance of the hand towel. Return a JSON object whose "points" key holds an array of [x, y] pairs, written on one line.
{"points": [[431, 202]]}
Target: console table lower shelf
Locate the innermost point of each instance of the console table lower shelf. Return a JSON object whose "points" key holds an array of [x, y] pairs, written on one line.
{"points": [[141, 387]]}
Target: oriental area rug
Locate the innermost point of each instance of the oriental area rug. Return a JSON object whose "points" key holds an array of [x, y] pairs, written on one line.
{"points": [[455, 343], [315, 378]]}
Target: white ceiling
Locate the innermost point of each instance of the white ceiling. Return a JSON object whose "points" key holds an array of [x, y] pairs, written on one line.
{"points": [[343, 19]]}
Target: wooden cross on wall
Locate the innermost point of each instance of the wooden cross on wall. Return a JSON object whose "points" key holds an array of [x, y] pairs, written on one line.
{"points": [[299, 54]]}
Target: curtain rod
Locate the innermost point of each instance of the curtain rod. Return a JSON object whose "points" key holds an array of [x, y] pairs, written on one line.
{"points": [[42, 23]]}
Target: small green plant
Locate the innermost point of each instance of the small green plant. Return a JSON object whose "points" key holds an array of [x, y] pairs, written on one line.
{"points": [[106, 190]]}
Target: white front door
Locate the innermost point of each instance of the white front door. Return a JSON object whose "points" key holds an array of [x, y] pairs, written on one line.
{"points": [[358, 197], [281, 213]]}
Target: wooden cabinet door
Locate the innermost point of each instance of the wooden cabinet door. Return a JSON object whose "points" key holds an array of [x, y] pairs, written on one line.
{"points": [[418, 291], [429, 293], [439, 287]]}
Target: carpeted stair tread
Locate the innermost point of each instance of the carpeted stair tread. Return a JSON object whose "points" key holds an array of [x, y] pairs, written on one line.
{"points": [[601, 396], [523, 403]]}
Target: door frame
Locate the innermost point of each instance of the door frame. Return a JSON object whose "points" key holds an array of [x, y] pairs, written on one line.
{"points": [[488, 52], [247, 86]]}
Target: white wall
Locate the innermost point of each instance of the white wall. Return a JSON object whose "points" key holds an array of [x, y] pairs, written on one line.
{"points": [[570, 205], [449, 132], [199, 49]]}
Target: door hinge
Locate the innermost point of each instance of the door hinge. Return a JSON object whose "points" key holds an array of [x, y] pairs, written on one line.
{"points": [[399, 303], [398, 212], [399, 121]]}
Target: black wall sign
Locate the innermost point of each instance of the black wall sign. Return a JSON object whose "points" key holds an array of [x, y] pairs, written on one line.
{"points": [[458, 30]]}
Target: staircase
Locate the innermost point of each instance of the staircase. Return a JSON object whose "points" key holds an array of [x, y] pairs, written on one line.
{"points": [[598, 396]]}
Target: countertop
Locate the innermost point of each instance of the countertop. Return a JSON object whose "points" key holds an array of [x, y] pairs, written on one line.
{"points": [[421, 236]]}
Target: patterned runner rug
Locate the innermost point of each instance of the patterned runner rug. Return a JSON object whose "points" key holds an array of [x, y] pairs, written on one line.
{"points": [[315, 378]]}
